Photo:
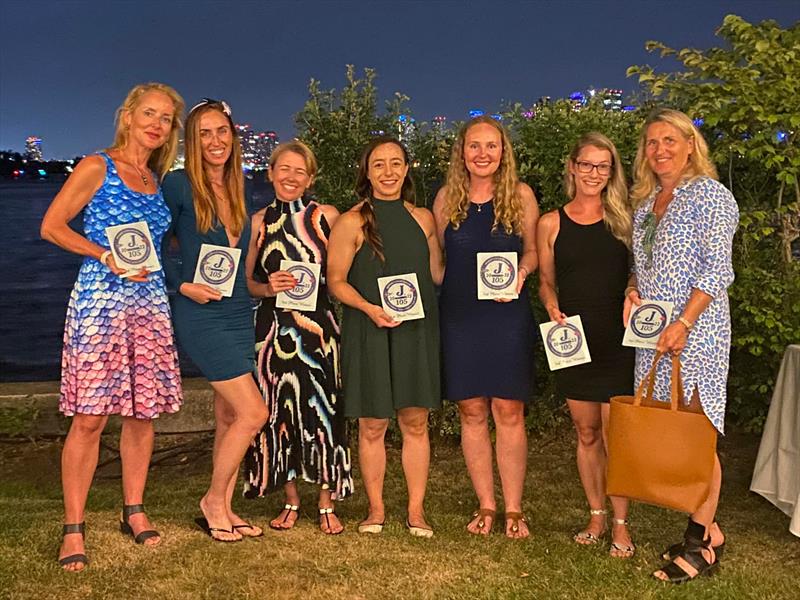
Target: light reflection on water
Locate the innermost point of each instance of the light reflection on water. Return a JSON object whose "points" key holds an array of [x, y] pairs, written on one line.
{"points": [[38, 278]]}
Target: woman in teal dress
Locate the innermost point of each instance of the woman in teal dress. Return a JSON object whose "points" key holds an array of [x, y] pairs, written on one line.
{"points": [[388, 366], [208, 207]]}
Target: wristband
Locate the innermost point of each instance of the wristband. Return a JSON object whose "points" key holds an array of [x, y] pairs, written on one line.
{"points": [[104, 256], [686, 323], [629, 289]]}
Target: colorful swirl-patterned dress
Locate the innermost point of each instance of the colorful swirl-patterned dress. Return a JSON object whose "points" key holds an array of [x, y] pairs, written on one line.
{"points": [[119, 356], [692, 249], [298, 366]]}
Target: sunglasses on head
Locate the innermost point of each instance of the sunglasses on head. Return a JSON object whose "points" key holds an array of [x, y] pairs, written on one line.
{"points": [[208, 101]]}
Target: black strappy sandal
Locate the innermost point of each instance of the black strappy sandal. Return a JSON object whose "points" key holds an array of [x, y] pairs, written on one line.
{"points": [[128, 510], [74, 558], [692, 553], [676, 549]]}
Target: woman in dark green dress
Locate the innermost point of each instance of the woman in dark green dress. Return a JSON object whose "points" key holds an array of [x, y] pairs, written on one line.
{"points": [[388, 366]]}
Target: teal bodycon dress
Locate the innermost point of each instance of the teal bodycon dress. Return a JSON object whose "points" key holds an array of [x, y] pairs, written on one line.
{"points": [[218, 336]]}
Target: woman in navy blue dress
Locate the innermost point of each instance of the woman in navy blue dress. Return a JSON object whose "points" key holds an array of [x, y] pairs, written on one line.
{"points": [[208, 207], [488, 344]]}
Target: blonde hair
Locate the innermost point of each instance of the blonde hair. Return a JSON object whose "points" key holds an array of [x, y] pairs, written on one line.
{"points": [[699, 164], [233, 177], [616, 210], [162, 158], [297, 147], [508, 209]]}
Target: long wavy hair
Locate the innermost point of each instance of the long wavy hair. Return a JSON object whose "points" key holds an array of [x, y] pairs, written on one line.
{"points": [[508, 208], [161, 159], [363, 190], [699, 164], [233, 177], [616, 210]]}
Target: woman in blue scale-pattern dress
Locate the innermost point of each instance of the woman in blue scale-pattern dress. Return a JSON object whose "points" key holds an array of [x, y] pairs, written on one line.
{"points": [[119, 357]]}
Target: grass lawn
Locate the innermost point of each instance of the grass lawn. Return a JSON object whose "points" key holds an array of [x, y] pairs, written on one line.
{"points": [[762, 559]]}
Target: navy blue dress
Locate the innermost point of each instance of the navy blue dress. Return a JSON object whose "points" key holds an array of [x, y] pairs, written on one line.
{"points": [[218, 336], [487, 345]]}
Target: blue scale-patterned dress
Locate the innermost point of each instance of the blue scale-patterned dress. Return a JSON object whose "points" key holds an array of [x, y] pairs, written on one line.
{"points": [[119, 355], [692, 249]]}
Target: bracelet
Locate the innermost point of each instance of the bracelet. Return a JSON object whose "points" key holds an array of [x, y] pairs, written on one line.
{"points": [[686, 323], [104, 256], [526, 272], [629, 289]]}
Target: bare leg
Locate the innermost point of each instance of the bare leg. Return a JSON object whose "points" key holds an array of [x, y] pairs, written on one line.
{"points": [[240, 396], [224, 416], [287, 518], [135, 449], [620, 536], [477, 447], [512, 455], [413, 424], [78, 463], [372, 458], [591, 459]]}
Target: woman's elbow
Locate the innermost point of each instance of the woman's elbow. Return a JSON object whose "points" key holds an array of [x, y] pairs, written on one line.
{"points": [[46, 230]]}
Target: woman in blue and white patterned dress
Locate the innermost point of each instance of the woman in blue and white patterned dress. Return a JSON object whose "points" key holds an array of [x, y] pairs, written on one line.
{"points": [[683, 231]]}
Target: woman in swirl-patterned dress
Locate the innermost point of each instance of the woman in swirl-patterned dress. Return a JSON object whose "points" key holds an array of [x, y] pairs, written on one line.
{"points": [[119, 357], [298, 351], [683, 231]]}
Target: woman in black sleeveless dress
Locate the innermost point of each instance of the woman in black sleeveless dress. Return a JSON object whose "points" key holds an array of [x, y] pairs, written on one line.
{"points": [[584, 250]]}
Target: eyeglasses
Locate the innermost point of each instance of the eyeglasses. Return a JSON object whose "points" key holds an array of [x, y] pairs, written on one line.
{"points": [[206, 101], [648, 240], [587, 167]]}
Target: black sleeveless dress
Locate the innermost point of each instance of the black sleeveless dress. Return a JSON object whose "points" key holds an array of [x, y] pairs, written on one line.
{"points": [[591, 275]]}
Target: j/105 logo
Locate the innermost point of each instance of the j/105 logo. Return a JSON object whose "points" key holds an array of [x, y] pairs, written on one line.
{"points": [[132, 245], [306, 282], [497, 272], [217, 267], [564, 340], [400, 295]]}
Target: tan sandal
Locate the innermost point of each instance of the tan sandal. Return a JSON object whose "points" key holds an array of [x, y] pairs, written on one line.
{"points": [[516, 518], [587, 538], [481, 514]]}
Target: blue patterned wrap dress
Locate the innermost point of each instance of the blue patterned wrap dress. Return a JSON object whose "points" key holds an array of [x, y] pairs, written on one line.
{"points": [[692, 249]]}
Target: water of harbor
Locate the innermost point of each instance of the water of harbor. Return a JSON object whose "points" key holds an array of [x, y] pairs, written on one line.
{"points": [[38, 279]]}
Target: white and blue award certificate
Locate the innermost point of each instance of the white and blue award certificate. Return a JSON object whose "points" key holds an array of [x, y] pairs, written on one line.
{"points": [[646, 323], [132, 247], [565, 345], [400, 297], [302, 296], [216, 267], [497, 275]]}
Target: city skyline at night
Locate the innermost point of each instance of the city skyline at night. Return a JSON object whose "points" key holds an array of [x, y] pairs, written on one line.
{"points": [[448, 57]]}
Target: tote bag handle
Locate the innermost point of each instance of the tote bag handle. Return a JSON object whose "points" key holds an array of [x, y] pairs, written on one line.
{"points": [[676, 388]]}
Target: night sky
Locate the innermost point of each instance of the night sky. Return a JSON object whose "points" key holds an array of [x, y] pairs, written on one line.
{"points": [[65, 65]]}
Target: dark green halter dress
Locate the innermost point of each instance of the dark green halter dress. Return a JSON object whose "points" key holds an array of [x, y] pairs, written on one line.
{"points": [[385, 369]]}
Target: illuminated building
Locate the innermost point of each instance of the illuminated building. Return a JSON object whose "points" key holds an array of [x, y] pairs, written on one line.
{"points": [[33, 148], [257, 147], [612, 99]]}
